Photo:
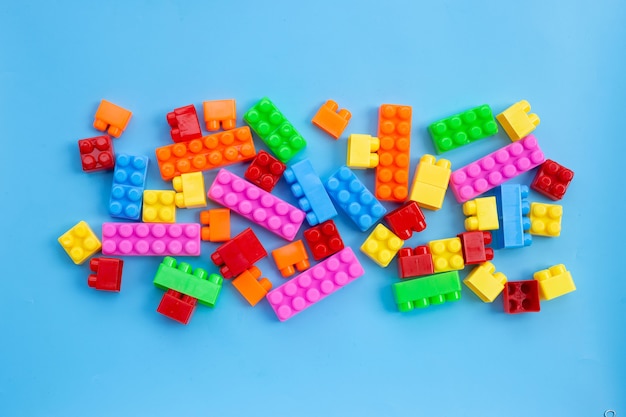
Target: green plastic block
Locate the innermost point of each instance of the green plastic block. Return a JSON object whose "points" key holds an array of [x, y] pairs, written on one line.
{"points": [[178, 276], [430, 289], [463, 128], [274, 129]]}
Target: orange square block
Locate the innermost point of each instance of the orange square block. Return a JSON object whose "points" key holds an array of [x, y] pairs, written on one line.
{"points": [[112, 117], [250, 287], [330, 120], [290, 257], [219, 111], [394, 153], [215, 225]]}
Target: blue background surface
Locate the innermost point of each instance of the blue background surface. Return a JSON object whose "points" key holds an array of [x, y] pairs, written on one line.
{"points": [[68, 350]]}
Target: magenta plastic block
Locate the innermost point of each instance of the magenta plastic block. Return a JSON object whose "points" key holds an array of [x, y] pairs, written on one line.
{"points": [[496, 168], [256, 204], [151, 239], [315, 284]]}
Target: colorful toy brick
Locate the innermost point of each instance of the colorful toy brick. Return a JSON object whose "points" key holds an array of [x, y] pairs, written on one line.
{"points": [[238, 254], [521, 297], [496, 168], [275, 130], [406, 219], [447, 254], [265, 171], [251, 287], [381, 245], [256, 205], [392, 171], [151, 239], [190, 191], [213, 151], [349, 193], [129, 182], [315, 284], [290, 257], [158, 206], [220, 111], [513, 210], [112, 118], [331, 120], [473, 247], [554, 282], [215, 225], [312, 197], [80, 242], [463, 128], [323, 240], [482, 214], [184, 123], [415, 262], [428, 290], [196, 283], [107, 274], [362, 151], [177, 306], [517, 122], [485, 282], [96, 154], [552, 180], [545, 219], [430, 182]]}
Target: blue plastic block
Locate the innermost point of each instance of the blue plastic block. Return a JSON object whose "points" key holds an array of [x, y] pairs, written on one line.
{"points": [[349, 193], [129, 182], [513, 210], [312, 197]]}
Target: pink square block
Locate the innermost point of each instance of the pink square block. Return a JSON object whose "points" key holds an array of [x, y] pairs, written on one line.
{"points": [[151, 239]]}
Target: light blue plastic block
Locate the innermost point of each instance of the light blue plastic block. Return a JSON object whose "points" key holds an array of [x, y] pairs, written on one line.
{"points": [[513, 210], [129, 182]]}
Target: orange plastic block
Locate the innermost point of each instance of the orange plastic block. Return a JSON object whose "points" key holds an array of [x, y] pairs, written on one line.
{"points": [[213, 151], [251, 287], [215, 225], [330, 120], [394, 133], [112, 117], [290, 256], [220, 111]]}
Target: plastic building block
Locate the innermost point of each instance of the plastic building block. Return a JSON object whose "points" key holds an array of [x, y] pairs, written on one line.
{"points": [[381, 245], [275, 130], [485, 282], [96, 154], [554, 282], [415, 262], [158, 206], [447, 254], [315, 284], [428, 290], [349, 193], [107, 274], [392, 171], [151, 239], [177, 306], [362, 151], [112, 117], [209, 152], [463, 128], [323, 240], [516, 121], [406, 219], [552, 180], [129, 182], [330, 120], [265, 171], [251, 287], [513, 210], [215, 225], [496, 168], [220, 111], [482, 214], [521, 297], [312, 197], [190, 191], [196, 283], [238, 254], [290, 257], [473, 246], [545, 219], [184, 123], [80, 242], [430, 182]]}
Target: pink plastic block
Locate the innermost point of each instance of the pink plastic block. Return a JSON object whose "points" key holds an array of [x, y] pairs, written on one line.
{"points": [[151, 239], [496, 168], [256, 204], [315, 284]]}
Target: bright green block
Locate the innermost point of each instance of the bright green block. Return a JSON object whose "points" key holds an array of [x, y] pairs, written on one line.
{"points": [[274, 129], [178, 276], [463, 128], [431, 289]]}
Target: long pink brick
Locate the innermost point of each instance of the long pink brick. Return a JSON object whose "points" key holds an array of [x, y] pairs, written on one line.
{"points": [[151, 239], [256, 204], [315, 284], [496, 168]]}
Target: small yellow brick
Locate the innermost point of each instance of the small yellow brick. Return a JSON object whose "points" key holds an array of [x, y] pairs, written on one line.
{"points": [[362, 151], [190, 190], [430, 182], [447, 254], [382, 245], [485, 282], [158, 206], [80, 242], [482, 214], [554, 282], [517, 122], [545, 219]]}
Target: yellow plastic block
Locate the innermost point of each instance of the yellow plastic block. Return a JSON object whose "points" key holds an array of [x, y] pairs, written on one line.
{"points": [[382, 245], [482, 214], [517, 122], [80, 242], [430, 182], [545, 219], [485, 282], [158, 206], [447, 254], [362, 151], [190, 190], [554, 282]]}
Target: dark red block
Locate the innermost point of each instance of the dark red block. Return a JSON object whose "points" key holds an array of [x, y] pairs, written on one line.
{"points": [[265, 171], [96, 154], [185, 124], [473, 246], [405, 220], [238, 254], [323, 240], [415, 262], [552, 180], [521, 297], [107, 274], [177, 306]]}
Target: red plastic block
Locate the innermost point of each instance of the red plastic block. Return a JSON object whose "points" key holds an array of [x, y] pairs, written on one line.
{"points": [[473, 246], [552, 180], [405, 220], [96, 154], [521, 297], [107, 274], [238, 254], [323, 240], [415, 262], [265, 171], [331, 119], [185, 124], [177, 306]]}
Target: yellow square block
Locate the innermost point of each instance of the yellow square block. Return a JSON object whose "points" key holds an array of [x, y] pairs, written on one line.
{"points": [[516, 121], [554, 282], [482, 214], [447, 254], [80, 242], [545, 219], [158, 206], [190, 190], [382, 245], [485, 282], [430, 182], [362, 151]]}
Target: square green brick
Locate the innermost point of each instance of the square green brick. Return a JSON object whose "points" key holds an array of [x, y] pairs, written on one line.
{"points": [[178, 276], [427, 290], [463, 128]]}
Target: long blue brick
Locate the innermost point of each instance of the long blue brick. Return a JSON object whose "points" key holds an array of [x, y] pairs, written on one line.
{"points": [[513, 210]]}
